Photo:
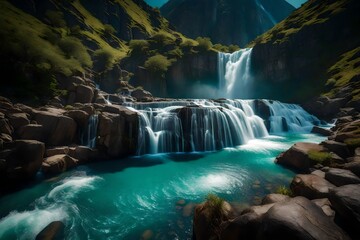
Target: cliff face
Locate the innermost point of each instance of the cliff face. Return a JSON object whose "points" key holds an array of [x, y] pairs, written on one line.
{"points": [[227, 21], [291, 61]]}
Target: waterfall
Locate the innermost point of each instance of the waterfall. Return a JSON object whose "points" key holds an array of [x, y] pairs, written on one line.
{"points": [[89, 135], [290, 118], [210, 125], [235, 78]]}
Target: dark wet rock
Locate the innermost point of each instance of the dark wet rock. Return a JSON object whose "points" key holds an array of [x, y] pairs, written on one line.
{"points": [[32, 131], [274, 198], [53, 231], [141, 95], [337, 147], [310, 186], [346, 202], [84, 94], [243, 227], [298, 218], [354, 167], [325, 205], [18, 120], [58, 163], [321, 131], [297, 156], [81, 117], [340, 177]]}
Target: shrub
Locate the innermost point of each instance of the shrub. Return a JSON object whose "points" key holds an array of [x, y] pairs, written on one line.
{"points": [[177, 52], [161, 39], [284, 191], [55, 18], [205, 44], [157, 64], [104, 60], [109, 29], [73, 47], [221, 48], [139, 46], [233, 48]]}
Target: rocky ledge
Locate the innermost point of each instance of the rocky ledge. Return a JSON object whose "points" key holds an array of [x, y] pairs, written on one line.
{"points": [[323, 201], [53, 138]]}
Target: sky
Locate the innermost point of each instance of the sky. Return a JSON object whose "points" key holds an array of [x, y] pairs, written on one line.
{"points": [[159, 3]]}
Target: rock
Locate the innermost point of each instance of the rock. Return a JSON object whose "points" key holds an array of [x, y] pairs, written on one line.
{"points": [[340, 177], [353, 167], [118, 131], [147, 235], [310, 186], [346, 202], [298, 218], [297, 156], [18, 120], [5, 127], [325, 205], [258, 210], [337, 147], [58, 163], [141, 95], [205, 218], [84, 94], [243, 227], [262, 109], [32, 132], [188, 209], [54, 123], [21, 161], [53, 231], [319, 173], [81, 117], [56, 151], [85, 154], [321, 131], [274, 198]]}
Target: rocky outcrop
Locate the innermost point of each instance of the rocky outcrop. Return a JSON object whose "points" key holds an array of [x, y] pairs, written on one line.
{"points": [[118, 131], [321, 131], [53, 231], [274, 198], [297, 156], [310, 186], [142, 95], [311, 222], [340, 177], [58, 164], [20, 161]]}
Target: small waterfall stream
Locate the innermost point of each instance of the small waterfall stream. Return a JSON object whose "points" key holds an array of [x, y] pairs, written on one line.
{"points": [[88, 137], [207, 125]]}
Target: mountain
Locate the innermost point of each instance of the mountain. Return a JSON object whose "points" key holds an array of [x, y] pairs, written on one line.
{"points": [[315, 51], [225, 21], [45, 43]]}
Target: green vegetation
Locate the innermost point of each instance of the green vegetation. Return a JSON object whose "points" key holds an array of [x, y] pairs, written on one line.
{"points": [[323, 158], [284, 191], [353, 142], [204, 44], [215, 207], [139, 46], [157, 64], [311, 13]]}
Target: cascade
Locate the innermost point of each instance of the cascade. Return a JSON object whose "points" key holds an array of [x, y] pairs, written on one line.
{"points": [[88, 137], [235, 80], [210, 125]]}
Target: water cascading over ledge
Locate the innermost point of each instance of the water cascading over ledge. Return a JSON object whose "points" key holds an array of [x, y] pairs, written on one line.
{"points": [[88, 136], [234, 74], [209, 125]]}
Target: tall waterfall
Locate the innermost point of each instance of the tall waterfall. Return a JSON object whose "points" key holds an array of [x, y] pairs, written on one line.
{"points": [[88, 137], [207, 125], [235, 78]]}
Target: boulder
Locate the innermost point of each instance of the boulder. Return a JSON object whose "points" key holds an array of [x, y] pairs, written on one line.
{"points": [[321, 131], [258, 210], [32, 131], [346, 202], [18, 120], [340, 177], [58, 163], [5, 126], [297, 156], [298, 218], [21, 160], [274, 198], [141, 94], [5, 137], [207, 220], [243, 227], [262, 109], [81, 117], [54, 124], [353, 167], [319, 173], [310, 186], [337, 147], [84, 94], [53, 231], [325, 205], [118, 131]]}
